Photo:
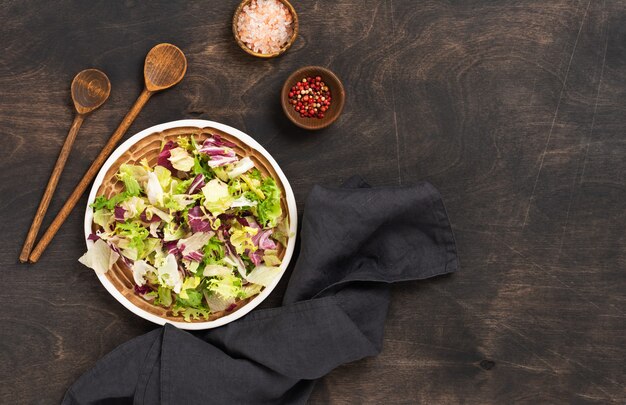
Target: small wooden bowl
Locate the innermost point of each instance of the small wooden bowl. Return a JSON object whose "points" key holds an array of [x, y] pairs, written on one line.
{"points": [[337, 93], [282, 50]]}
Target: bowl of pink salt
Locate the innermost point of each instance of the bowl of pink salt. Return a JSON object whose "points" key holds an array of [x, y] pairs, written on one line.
{"points": [[265, 28]]}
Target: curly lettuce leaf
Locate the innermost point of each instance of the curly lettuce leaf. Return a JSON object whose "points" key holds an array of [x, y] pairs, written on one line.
{"points": [[241, 238], [201, 167], [131, 184], [269, 210], [164, 297], [182, 186], [108, 203], [136, 235], [254, 185], [226, 286], [213, 251], [190, 313]]}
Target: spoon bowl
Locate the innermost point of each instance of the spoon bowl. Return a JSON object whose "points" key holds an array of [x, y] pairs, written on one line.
{"points": [[90, 89], [165, 66]]}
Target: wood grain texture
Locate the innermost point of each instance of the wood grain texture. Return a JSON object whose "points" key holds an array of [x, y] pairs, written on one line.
{"points": [[513, 109]]}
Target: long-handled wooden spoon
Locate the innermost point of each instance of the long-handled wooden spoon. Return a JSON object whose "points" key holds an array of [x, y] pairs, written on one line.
{"points": [[90, 89], [164, 67]]}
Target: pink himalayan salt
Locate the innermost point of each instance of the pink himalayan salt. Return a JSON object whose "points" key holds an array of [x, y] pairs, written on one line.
{"points": [[265, 26]]}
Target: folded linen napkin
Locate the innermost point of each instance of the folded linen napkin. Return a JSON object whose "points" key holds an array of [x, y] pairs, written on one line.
{"points": [[355, 241]]}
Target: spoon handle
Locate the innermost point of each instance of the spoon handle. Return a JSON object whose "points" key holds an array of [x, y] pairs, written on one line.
{"points": [[52, 185], [89, 175]]}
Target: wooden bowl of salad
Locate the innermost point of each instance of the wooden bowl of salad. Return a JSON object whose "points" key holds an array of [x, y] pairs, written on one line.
{"points": [[190, 222]]}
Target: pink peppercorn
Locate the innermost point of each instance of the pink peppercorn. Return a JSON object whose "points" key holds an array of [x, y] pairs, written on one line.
{"points": [[310, 97]]}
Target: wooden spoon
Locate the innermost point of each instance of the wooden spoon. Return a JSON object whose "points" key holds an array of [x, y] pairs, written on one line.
{"points": [[164, 67], [90, 89]]}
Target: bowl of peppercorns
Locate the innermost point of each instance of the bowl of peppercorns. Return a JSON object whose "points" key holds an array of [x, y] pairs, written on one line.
{"points": [[313, 97]]}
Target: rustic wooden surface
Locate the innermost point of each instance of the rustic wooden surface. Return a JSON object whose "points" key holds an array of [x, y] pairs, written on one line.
{"points": [[513, 109]]}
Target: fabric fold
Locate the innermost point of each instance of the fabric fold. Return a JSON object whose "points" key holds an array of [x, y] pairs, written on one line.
{"points": [[355, 241]]}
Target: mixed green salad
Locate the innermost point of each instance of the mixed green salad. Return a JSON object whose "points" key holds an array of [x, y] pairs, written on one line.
{"points": [[200, 230]]}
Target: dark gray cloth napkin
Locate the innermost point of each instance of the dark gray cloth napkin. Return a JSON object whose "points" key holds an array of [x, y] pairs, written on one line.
{"points": [[355, 241]]}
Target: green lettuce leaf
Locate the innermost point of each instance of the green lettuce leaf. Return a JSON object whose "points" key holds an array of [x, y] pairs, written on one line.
{"points": [[182, 186], [189, 313], [249, 290], [269, 210], [164, 298], [103, 217], [130, 182], [213, 251], [270, 258], [164, 176], [108, 203], [193, 298], [172, 231], [200, 166], [226, 286], [136, 235], [217, 199], [241, 238]]}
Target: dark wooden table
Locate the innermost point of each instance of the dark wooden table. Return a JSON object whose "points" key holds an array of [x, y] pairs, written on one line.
{"points": [[513, 109]]}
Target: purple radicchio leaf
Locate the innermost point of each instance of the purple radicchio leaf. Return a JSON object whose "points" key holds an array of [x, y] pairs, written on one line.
{"points": [[223, 142], [221, 160], [119, 213], [183, 271], [144, 217], [178, 217], [218, 151], [143, 289], [225, 217], [196, 184], [252, 222], [171, 247], [263, 241], [256, 257], [196, 220], [195, 256], [93, 237], [164, 155]]}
